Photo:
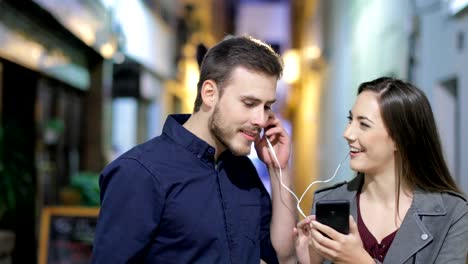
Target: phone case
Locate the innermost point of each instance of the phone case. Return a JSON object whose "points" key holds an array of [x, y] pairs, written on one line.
{"points": [[333, 213]]}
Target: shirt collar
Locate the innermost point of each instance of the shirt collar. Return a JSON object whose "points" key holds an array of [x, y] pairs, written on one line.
{"points": [[173, 128]]}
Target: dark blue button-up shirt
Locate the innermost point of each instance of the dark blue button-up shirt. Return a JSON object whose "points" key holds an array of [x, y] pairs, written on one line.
{"points": [[168, 201]]}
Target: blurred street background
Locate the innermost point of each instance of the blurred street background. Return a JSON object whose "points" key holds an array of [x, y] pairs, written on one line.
{"points": [[82, 81]]}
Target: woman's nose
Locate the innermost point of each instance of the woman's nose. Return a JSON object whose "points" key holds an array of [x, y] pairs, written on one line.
{"points": [[349, 134]]}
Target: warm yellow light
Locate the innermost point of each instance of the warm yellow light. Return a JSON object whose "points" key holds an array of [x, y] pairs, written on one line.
{"points": [[84, 30], [312, 53], [292, 68], [191, 80], [107, 50], [35, 51]]}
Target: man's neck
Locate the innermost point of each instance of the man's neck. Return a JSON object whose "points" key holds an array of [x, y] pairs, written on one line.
{"points": [[198, 125]]}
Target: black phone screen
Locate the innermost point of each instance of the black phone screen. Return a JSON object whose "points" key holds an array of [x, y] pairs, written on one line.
{"points": [[333, 213]]}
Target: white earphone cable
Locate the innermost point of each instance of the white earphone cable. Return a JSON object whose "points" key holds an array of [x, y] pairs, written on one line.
{"points": [[299, 200]]}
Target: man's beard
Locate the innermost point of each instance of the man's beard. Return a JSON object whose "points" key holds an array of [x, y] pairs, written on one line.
{"points": [[224, 134]]}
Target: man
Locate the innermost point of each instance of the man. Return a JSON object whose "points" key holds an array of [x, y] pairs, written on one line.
{"points": [[191, 195]]}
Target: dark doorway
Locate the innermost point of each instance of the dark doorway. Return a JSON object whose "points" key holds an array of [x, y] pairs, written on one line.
{"points": [[19, 87]]}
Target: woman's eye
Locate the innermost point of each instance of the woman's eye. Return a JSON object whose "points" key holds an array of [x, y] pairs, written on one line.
{"points": [[364, 125]]}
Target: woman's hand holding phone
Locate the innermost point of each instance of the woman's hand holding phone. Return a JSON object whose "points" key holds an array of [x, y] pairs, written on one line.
{"points": [[338, 247]]}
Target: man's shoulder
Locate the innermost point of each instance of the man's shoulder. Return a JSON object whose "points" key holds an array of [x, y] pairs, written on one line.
{"points": [[145, 154], [158, 146]]}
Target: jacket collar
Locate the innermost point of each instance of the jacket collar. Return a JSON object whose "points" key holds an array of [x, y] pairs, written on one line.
{"points": [[425, 203], [428, 203], [413, 234]]}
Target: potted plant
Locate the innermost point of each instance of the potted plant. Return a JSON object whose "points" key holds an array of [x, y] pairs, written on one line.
{"points": [[83, 190]]}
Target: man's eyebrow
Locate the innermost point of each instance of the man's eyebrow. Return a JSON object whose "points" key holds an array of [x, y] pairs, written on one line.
{"points": [[361, 117], [255, 99]]}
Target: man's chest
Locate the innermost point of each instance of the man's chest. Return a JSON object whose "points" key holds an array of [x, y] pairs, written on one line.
{"points": [[212, 207]]}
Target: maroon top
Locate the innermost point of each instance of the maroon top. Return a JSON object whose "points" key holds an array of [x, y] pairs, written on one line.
{"points": [[376, 250]]}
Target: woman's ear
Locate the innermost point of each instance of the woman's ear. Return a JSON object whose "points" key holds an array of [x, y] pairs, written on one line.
{"points": [[209, 93], [395, 149]]}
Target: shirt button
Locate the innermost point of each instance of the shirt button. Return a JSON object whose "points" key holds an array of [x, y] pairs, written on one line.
{"points": [[424, 236], [199, 156], [382, 246], [438, 209], [210, 150]]}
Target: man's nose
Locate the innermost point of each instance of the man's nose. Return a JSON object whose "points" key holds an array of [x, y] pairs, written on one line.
{"points": [[260, 118]]}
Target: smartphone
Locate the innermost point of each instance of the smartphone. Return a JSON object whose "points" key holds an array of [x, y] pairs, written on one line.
{"points": [[333, 213]]}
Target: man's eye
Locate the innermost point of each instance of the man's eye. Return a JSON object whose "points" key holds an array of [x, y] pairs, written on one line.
{"points": [[268, 107], [249, 104]]}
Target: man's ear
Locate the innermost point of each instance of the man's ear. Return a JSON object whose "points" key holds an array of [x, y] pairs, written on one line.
{"points": [[209, 93]]}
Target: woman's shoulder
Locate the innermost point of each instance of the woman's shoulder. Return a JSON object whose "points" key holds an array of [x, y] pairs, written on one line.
{"points": [[455, 201], [446, 203], [340, 190], [328, 189], [455, 196]]}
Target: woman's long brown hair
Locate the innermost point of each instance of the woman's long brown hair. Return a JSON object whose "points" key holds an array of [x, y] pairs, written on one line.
{"points": [[410, 122]]}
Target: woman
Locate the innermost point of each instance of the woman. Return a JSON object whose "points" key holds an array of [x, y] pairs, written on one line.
{"points": [[407, 206]]}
